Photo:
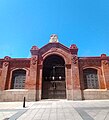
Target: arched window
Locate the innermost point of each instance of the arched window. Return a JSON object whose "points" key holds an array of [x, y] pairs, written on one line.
{"points": [[90, 78], [18, 79]]}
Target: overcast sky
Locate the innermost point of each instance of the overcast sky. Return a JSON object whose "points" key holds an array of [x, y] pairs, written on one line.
{"points": [[24, 23]]}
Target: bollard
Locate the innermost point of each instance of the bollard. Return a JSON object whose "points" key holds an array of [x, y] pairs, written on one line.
{"points": [[24, 102]]}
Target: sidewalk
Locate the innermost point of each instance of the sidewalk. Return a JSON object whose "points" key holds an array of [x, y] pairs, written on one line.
{"points": [[55, 110]]}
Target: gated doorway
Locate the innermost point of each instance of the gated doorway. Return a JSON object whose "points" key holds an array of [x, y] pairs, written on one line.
{"points": [[53, 79]]}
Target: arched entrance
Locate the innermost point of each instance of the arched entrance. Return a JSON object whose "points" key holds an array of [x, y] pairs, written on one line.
{"points": [[53, 79]]}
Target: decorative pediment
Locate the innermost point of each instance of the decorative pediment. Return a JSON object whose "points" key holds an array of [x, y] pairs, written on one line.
{"points": [[53, 47]]}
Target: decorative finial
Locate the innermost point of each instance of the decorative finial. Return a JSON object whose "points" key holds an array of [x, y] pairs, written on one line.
{"points": [[53, 38]]}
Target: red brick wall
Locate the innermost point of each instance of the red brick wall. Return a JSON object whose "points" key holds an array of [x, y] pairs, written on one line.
{"points": [[74, 67]]}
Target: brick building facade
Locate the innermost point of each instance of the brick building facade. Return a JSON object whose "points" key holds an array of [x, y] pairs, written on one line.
{"points": [[54, 72]]}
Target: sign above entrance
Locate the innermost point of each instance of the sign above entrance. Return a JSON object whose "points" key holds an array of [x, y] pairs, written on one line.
{"points": [[53, 38]]}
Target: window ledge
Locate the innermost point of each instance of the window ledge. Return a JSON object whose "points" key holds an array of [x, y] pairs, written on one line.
{"points": [[95, 90], [17, 90]]}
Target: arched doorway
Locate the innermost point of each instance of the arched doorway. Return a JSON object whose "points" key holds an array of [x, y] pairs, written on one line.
{"points": [[53, 79]]}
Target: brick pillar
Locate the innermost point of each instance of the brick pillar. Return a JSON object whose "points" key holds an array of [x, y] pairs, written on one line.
{"points": [[69, 84], [4, 75], [75, 73], [104, 83], [76, 79], [39, 83], [31, 83]]}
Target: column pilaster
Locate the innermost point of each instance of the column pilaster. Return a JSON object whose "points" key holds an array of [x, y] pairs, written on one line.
{"points": [[104, 83], [4, 75]]}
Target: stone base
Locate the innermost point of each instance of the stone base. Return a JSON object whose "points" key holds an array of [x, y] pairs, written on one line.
{"points": [[95, 94], [17, 95], [69, 94], [32, 95], [77, 95], [74, 95], [38, 95]]}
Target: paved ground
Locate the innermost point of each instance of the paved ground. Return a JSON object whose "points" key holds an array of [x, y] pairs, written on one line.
{"points": [[55, 110]]}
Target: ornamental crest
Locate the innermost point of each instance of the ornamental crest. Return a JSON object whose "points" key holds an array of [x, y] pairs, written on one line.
{"points": [[75, 59], [34, 60], [53, 38], [6, 64]]}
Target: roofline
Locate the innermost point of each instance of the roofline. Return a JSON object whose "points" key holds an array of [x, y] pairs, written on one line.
{"points": [[68, 49]]}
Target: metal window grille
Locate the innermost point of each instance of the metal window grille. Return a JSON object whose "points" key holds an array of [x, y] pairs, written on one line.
{"points": [[19, 77], [90, 79]]}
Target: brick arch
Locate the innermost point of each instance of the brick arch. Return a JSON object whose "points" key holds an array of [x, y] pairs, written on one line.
{"points": [[53, 71], [99, 71], [93, 67], [102, 83], [87, 67], [96, 81], [64, 56], [18, 69], [14, 69], [20, 84]]}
